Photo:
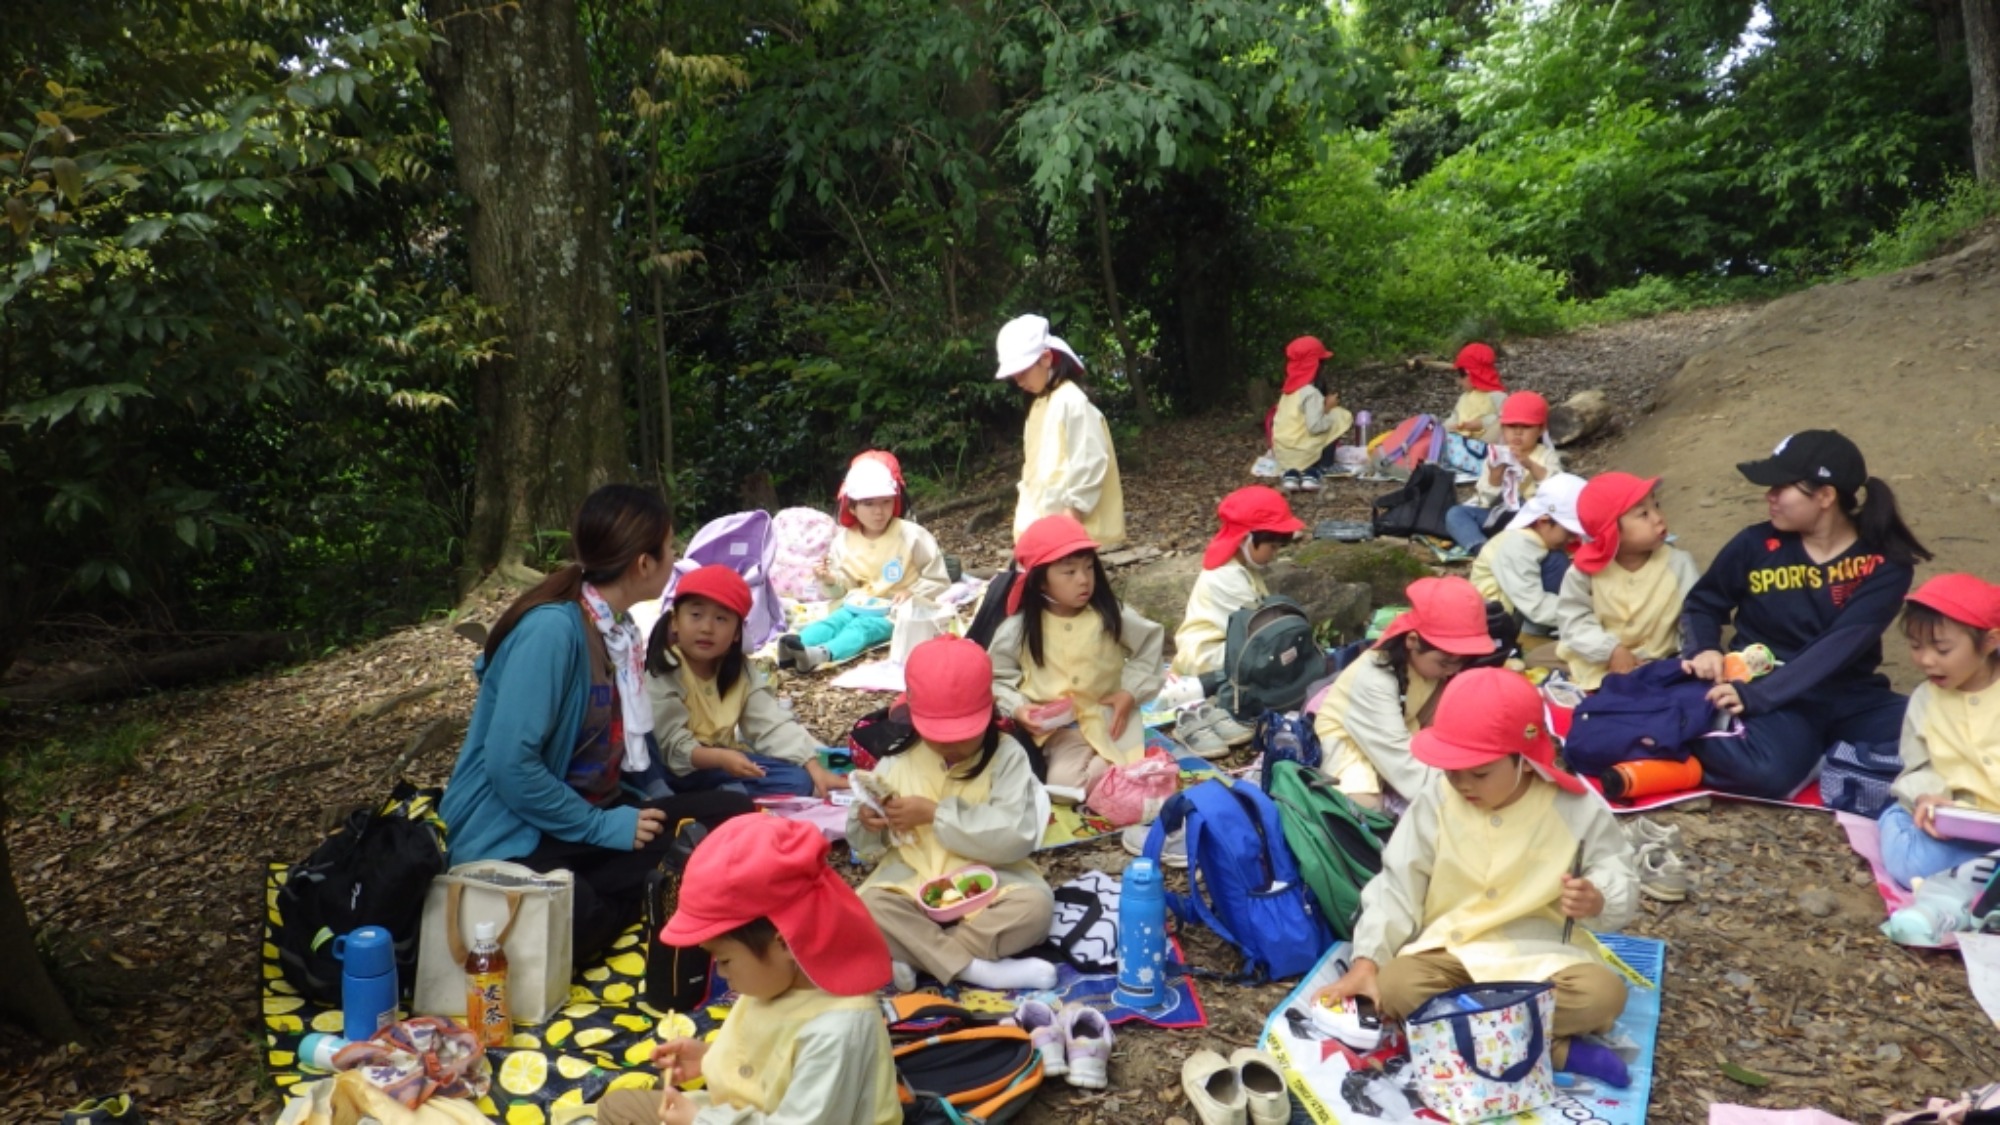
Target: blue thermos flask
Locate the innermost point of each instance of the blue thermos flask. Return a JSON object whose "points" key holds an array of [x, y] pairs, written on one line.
{"points": [[367, 959], [1142, 936]]}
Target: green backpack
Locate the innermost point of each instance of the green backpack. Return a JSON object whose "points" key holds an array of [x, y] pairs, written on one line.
{"points": [[1337, 842]]}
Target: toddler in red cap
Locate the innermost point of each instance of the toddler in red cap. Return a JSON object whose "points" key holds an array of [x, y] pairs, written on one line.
{"points": [[1068, 465], [1067, 640], [962, 794], [1488, 867], [1620, 604], [878, 561], [1256, 522], [1952, 727], [1516, 466], [1476, 415], [1379, 702], [804, 1042], [1308, 422], [716, 718]]}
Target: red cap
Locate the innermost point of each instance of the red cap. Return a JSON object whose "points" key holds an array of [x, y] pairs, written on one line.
{"points": [[950, 685], [1302, 358], [1524, 408], [1448, 614], [1475, 362], [718, 584], [1963, 598], [761, 866], [872, 475], [1046, 540], [1599, 507], [1256, 508], [1484, 715]]}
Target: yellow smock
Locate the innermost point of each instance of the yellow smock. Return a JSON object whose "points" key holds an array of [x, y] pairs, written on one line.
{"points": [[1640, 609], [1068, 465], [1482, 407], [1364, 730], [1204, 630], [904, 558], [995, 819], [750, 1063], [1303, 428], [1951, 747]]}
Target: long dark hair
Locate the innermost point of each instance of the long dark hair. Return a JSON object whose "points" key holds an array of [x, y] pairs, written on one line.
{"points": [[1062, 369], [1395, 656], [661, 662], [1879, 523], [989, 744], [615, 526], [1101, 599]]}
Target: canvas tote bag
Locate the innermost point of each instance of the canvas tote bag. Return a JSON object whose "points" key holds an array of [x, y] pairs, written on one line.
{"points": [[532, 909], [1483, 1051]]}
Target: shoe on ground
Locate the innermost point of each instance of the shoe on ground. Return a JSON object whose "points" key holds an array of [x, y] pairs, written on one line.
{"points": [[811, 657], [1291, 482], [789, 647], [1643, 831], [1212, 718], [1203, 743], [115, 1110], [1215, 1089], [1173, 853], [1309, 482], [1087, 1043], [1044, 1027], [1662, 875], [1269, 1102]]}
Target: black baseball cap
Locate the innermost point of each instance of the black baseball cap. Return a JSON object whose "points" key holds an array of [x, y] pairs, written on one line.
{"points": [[1813, 457]]}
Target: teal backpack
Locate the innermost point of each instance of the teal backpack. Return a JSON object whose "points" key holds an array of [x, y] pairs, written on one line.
{"points": [[1338, 843]]}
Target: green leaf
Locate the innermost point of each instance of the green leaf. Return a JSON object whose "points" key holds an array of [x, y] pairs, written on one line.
{"points": [[143, 232], [1747, 1077], [339, 174], [121, 581], [188, 531], [69, 178]]}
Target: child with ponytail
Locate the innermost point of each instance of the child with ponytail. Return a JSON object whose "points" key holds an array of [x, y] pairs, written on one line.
{"points": [[1817, 583]]}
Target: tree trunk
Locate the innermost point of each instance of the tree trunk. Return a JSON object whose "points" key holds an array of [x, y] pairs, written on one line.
{"points": [[1132, 373], [516, 90], [1982, 55], [169, 670], [28, 995], [665, 469]]}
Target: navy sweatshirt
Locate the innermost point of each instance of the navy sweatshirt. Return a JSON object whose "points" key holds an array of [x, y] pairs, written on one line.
{"points": [[1824, 621]]}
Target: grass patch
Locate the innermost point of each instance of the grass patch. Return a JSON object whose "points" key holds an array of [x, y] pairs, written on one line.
{"points": [[1930, 227], [34, 773], [1652, 296]]}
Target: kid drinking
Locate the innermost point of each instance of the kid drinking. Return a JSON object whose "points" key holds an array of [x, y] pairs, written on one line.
{"points": [[1308, 422], [1620, 604]]}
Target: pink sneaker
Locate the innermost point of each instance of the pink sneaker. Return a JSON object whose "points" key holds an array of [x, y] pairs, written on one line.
{"points": [[1087, 1038], [1045, 1030]]}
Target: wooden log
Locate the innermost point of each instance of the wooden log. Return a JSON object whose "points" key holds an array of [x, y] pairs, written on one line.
{"points": [[1584, 414], [169, 670]]}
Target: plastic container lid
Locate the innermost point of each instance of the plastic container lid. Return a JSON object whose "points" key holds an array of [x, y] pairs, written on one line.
{"points": [[484, 932], [366, 952]]}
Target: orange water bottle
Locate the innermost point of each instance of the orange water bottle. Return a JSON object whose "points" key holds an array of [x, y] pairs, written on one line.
{"points": [[486, 987]]}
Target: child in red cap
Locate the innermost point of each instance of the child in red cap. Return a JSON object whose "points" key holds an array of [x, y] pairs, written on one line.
{"points": [[1308, 422], [1067, 638], [1379, 702], [878, 561], [1516, 466], [1952, 727], [962, 794], [1477, 882], [1476, 415], [804, 1042], [1620, 604], [716, 719], [1256, 522]]}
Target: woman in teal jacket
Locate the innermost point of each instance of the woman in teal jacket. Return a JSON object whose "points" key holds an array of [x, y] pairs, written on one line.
{"points": [[562, 725]]}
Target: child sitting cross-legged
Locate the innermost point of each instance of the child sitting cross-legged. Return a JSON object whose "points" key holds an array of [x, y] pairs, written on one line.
{"points": [[804, 1043], [879, 556], [1522, 567], [1367, 718], [1953, 625], [960, 794], [1620, 604], [717, 722], [1477, 884]]}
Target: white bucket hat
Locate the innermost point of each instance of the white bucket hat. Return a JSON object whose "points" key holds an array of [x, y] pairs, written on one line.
{"points": [[1021, 343], [1555, 498], [869, 479]]}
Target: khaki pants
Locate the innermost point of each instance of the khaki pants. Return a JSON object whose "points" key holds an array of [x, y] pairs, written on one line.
{"points": [[629, 1107], [1018, 920], [1073, 762], [1588, 997]]}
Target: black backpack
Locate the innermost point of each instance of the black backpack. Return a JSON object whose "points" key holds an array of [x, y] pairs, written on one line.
{"points": [[992, 607], [374, 870], [1269, 659], [1419, 506]]}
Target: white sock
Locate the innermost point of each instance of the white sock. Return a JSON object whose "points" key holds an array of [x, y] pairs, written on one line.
{"points": [[902, 976], [1010, 973]]}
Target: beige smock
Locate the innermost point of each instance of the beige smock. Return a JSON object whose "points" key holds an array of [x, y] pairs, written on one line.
{"points": [[1217, 594], [1509, 571], [1492, 495], [1085, 664], [806, 1058], [1640, 609], [1364, 729], [1951, 747], [995, 819], [1068, 465], [1303, 427], [688, 712], [1482, 407], [1486, 886], [903, 559]]}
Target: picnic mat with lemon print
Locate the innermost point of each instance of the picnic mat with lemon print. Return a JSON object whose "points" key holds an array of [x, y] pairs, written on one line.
{"points": [[602, 1040]]}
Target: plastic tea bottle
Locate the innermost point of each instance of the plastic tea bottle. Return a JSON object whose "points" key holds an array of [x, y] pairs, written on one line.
{"points": [[486, 987], [1142, 937]]}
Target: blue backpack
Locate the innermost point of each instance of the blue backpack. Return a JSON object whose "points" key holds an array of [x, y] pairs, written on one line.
{"points": [[1654, 711], [1243, 882], [1284, 736]]}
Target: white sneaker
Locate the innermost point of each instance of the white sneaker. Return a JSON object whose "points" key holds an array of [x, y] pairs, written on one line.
{"points": [[1173, 853], [1087, 1041], [1214, 719]]}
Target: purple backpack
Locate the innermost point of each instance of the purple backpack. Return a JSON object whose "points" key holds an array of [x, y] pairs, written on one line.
{"points": [[742, 542]]}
